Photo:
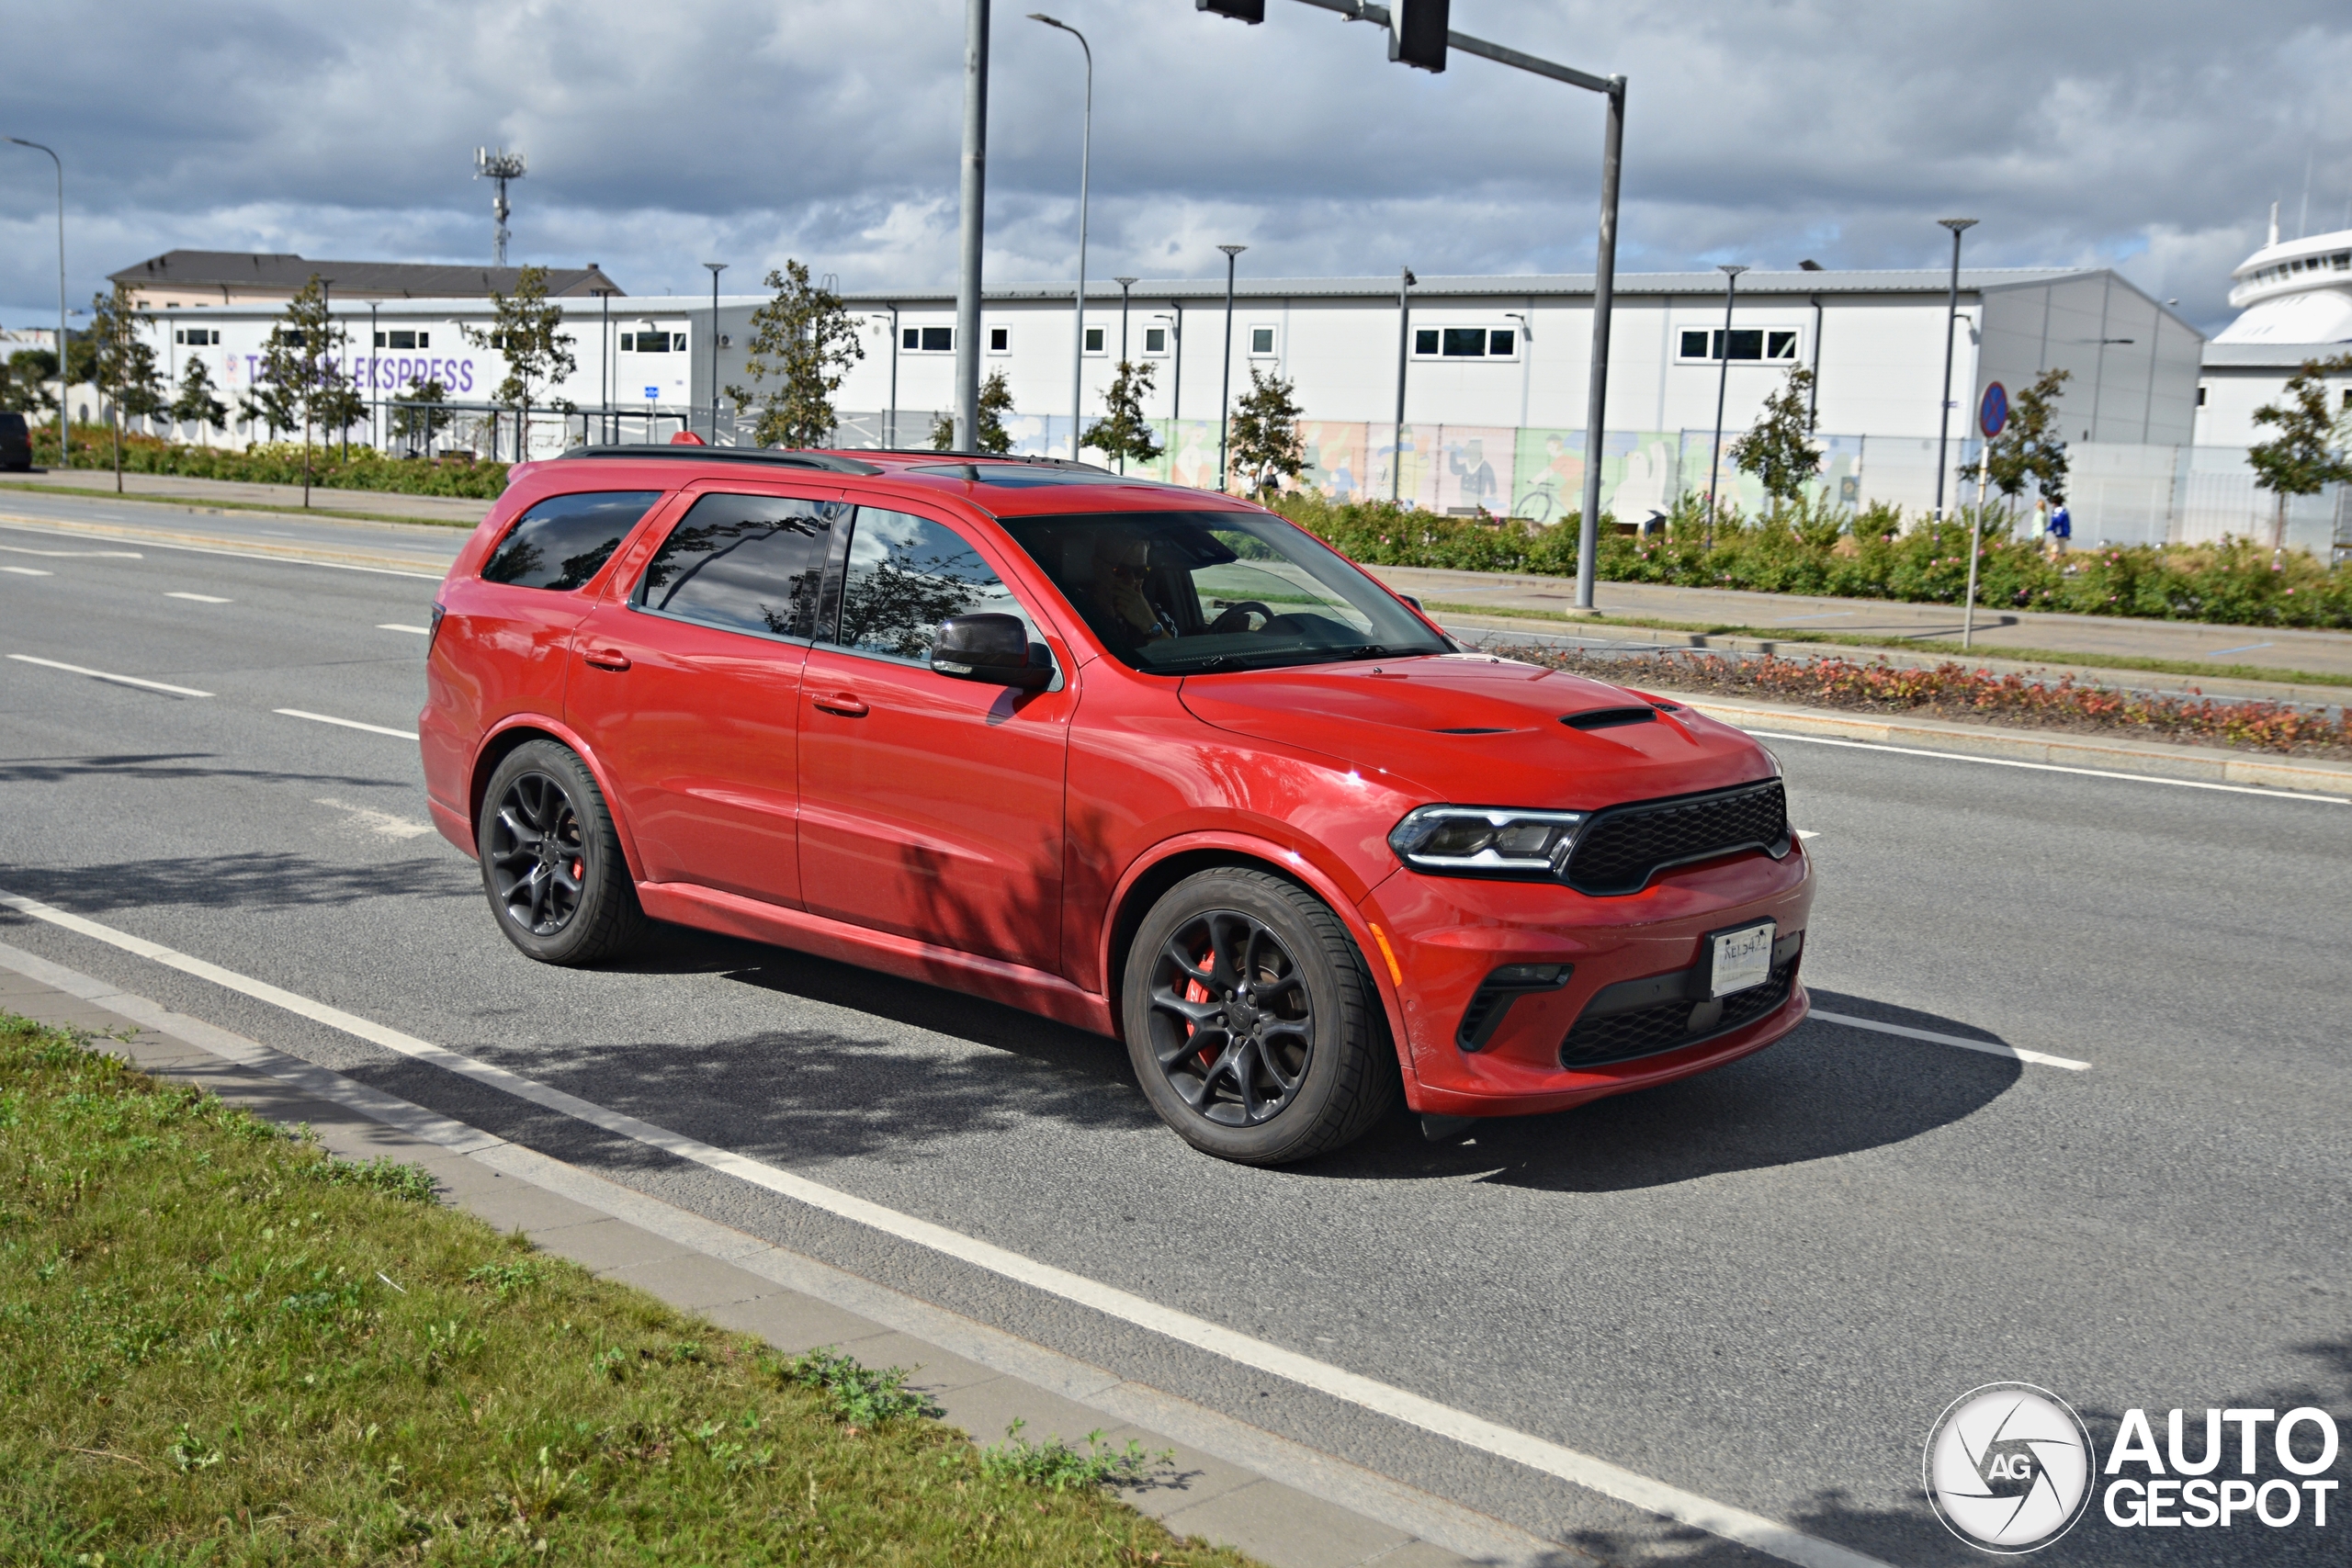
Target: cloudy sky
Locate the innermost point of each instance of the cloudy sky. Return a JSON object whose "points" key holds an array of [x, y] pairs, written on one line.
{"points": [[2152, 135]]}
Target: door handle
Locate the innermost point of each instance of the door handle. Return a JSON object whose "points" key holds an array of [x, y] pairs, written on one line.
{"points": [[606, 658], [842, 703]]}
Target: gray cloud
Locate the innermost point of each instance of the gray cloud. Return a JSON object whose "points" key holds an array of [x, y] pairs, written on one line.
{"points": [[2151, 135]]}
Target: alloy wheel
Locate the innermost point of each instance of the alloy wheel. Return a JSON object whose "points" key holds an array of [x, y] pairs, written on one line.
{"points": [[1232, 1023], [538, 854]]}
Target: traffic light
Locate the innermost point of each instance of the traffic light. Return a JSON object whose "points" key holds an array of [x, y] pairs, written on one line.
{"points": [[1250, 11], [1415, 32]]}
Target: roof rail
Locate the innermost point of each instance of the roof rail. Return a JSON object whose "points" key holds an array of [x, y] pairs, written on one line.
{"points": [[634, 452], [959, 455]]}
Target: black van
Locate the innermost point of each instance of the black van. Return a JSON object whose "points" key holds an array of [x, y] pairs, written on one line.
{"points": [[16, 446]]}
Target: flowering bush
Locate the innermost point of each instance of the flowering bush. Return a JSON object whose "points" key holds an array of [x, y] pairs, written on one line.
{"points": [[1868, 555], [1957, 692], [279, 463]]}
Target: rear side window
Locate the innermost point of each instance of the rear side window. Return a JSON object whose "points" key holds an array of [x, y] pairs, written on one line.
{"points": [[906, 575], [562, 541], [747, 563]]}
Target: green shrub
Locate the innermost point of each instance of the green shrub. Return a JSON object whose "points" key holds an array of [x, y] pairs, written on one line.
{"points": [[278, 463]]}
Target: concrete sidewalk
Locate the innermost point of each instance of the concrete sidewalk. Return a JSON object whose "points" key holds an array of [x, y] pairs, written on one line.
{"points": [[1231, 1483], [1494, 595]]}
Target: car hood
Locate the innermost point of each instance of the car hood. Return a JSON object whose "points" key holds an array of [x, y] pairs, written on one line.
{"points": [[1482, 730]]}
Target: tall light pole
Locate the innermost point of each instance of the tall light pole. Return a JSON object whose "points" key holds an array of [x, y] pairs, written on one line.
{"points": [[1078, 299], [1952, 322], [605, 385], [375, 383], [1225, 384], [716, 268], [1731, 271], [1124, 284], [500, 166], [972, 197], [62, 379], [1405, 281]]}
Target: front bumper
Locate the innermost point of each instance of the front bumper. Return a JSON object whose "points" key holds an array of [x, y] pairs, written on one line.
{"points": [[1449, 934]]}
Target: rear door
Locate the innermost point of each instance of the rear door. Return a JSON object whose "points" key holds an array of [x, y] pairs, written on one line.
{"points": [[687, 686], [930, 806]]}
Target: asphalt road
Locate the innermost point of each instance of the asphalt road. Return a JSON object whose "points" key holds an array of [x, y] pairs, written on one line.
{"points": [[1761, 1286]]}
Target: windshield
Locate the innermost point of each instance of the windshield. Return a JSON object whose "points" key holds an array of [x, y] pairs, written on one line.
{"points": [[1191, 592]]}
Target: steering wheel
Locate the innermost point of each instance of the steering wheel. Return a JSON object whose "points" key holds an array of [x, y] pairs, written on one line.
{"points": [[1236, 619]]}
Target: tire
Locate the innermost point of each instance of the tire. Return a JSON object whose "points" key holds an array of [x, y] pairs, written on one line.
{"points": [[551, 864], [1297, 1059]]}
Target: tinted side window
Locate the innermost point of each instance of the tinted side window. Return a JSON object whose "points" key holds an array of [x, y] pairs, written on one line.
{"points": [[561, 542], [905, 575], [750, 563]]}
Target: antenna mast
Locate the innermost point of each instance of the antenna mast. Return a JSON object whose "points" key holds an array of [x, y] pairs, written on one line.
{"points": [[502, 166]]}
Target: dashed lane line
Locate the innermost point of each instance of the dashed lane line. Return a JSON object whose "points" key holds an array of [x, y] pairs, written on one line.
{"points": [[1990, 1047], [396, 626], [348, 723], [109, 675], [27, 570], [200, 598], [1767, 1536]]}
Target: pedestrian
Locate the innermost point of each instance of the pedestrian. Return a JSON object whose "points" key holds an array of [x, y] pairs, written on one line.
{"points": [[2061, 526]]}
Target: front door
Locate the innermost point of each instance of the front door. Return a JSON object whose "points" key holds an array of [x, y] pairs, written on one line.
{"points": [[689, 690], [930, 806]]}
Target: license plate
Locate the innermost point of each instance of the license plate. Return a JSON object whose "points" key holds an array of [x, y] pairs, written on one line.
{"points": [[1742, 958]]}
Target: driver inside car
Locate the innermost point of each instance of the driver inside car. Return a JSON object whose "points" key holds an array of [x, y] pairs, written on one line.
{"points": [[1122, 567]]}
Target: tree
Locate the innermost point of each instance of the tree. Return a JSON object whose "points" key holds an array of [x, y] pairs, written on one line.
{"points": [[301, 366], [805, 340], [1776, 451], [125, 366], [1265, 436], [2029, 446], [24, 382], [417, 414], [996, 401], [523, 328], [2304, 458], [1122, 431], [194, 404]]}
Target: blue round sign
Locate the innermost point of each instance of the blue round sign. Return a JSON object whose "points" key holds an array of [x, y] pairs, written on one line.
{"points": [[1993, 413]]}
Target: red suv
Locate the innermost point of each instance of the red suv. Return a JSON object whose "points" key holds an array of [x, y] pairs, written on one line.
{"points": [[1146, 760]]}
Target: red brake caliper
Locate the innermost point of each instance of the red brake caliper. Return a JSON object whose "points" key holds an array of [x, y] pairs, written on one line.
{"points": [[1196, 992]]}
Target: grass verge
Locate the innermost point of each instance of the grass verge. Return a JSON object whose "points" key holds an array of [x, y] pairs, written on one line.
{"points": [[218, 1345], [1917, 644], [279, 508]]}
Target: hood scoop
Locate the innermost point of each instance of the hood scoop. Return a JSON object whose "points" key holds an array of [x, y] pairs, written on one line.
{"points": [[1608, 718]]}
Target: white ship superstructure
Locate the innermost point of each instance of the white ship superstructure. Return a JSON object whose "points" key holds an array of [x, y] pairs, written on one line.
{"points": [[2294, 291]]}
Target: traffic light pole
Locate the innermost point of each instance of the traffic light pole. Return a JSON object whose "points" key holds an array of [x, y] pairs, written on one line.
{"points": [[1604, 272]]}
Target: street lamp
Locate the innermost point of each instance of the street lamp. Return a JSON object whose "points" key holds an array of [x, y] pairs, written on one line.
{"points": [[1731, 271], [716, 268], [1124, 284], [1952, 322], [1405, 281], [972, 194], [1225, 383], [63, 379], [1078, 300]]}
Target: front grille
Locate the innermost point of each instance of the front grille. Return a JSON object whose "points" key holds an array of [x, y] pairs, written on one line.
{"points": [[1624, 846], [1645, 1032]]}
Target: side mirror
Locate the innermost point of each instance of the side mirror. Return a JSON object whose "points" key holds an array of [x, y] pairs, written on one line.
{"points": [[1408, 599], [991, 648]]}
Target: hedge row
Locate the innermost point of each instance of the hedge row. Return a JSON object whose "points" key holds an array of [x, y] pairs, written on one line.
{"points": [[1871, 555], [278, 463]]}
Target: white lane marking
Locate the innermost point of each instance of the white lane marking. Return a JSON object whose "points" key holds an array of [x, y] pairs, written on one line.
{"points": [[103, 675], [391, 626], [17, 524], [107, 555], [376, 821], [1990, 1047], [1807, 833], [2051, 767], [2247, 648], [200, 598], [1399, 1404], [346, 723], [27, 570]]}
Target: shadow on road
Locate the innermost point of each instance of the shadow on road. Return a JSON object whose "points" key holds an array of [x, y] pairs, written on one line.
{"points": [[168, 765]]}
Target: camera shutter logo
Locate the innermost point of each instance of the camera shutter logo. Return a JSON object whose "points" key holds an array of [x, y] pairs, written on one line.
{"points": [[2009, 1467]]}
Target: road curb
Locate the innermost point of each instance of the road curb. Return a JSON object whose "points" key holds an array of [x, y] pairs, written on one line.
{"points": [[2200, 764], [1288, 1504]]}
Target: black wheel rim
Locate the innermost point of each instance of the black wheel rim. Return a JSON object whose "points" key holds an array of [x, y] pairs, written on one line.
{"points": [[1232, 1023], [538, 856]]}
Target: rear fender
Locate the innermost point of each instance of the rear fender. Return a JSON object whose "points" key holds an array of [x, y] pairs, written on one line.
{"points": [[518, 729]]}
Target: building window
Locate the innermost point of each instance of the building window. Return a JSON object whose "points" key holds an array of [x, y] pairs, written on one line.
{"points": [[1155, 339], [2200, 397], [424, 340], [1747, 343], [636, 343], [1094, 340], [928, 340], [1261, 341], [196, 337], [1000, 340], [1466, 342]]}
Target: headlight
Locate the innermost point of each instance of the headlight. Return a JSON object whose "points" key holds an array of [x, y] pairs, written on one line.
{"points": [[1478, 840]]}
